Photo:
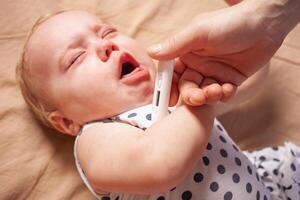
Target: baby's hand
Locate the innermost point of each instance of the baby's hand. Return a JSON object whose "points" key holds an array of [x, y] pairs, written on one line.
{"points": [[197, 90]]}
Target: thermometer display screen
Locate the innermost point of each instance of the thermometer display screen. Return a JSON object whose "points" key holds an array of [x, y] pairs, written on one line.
{"points": [[157, 98]]}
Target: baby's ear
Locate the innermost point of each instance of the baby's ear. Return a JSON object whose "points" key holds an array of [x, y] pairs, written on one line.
{"points": [[63, 124]]}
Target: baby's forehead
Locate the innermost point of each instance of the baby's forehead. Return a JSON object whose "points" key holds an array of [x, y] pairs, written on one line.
{"points": [[74, 15], [59, 25], [68, 19], [52, 33]]}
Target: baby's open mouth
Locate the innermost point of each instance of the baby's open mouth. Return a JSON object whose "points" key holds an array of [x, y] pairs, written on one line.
{"points": [[128, 65], [127, 68]]}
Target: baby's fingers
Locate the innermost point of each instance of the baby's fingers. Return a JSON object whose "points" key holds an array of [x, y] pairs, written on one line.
{"points": [[229, 90], [194, 97], [189, 88], [212, 90]]}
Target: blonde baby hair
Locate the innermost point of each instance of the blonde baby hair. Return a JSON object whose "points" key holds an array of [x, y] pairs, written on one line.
{"points": [[23, 78]]}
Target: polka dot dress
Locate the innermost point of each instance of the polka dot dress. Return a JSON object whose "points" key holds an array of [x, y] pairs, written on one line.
{"points": [[279, 169], [223, 172]]}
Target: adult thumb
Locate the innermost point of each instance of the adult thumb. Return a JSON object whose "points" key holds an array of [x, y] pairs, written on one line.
{"points": [[176, 45]]}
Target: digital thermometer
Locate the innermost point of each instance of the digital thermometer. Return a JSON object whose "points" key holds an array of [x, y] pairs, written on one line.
{"points": [[162, 89]]}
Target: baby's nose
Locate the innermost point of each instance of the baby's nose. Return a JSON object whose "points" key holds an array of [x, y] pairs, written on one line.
{"points": [[105, 48]]}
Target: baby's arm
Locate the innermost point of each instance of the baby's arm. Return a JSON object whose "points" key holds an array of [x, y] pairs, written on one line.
{"points": [[120, 157]]}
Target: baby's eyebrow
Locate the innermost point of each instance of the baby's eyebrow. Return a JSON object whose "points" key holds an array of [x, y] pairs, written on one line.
{"points": [[75, 42]]}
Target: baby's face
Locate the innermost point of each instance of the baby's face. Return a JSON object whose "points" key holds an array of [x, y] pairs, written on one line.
{"points": [[87, 69]]}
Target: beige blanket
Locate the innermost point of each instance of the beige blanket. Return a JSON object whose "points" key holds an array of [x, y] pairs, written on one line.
{"points": [[36, 163]]}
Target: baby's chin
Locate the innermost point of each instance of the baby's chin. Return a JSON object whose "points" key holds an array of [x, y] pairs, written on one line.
{"points": [[148, 98]]}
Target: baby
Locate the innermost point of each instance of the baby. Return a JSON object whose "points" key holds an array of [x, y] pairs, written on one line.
{"points": [[84, 78]]}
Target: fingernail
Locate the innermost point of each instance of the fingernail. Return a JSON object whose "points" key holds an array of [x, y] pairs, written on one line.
{"points": [[155, 48]]}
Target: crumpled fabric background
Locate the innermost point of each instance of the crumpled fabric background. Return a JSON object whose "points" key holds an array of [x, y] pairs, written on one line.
{"points": [[37, 163]]}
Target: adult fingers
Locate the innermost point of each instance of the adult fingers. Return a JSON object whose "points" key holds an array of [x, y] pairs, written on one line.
{"points": [[185, 41], [174, 96], [179, 66], [212, 67]]}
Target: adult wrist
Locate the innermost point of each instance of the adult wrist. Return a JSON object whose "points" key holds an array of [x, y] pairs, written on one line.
{"points": [[278, 17]]}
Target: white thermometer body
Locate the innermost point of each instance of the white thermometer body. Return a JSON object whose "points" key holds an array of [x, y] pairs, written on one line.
{"points": [[162, 89]]}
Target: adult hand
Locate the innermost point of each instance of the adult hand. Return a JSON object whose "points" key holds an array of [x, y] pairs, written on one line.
{"points": [[230, 44]]}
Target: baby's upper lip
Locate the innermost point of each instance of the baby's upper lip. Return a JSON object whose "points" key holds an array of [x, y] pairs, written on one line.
{"points": [[126, 59]]}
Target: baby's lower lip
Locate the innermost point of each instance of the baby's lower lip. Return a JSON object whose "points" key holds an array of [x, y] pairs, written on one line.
{"points": [[132, 73], [139, 74]]}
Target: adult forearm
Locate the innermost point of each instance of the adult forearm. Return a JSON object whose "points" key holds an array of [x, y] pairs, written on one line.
{"points": [[279, 17]]}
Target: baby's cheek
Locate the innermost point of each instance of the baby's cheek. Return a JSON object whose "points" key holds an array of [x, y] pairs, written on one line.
{"points": [[132, 46]]}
